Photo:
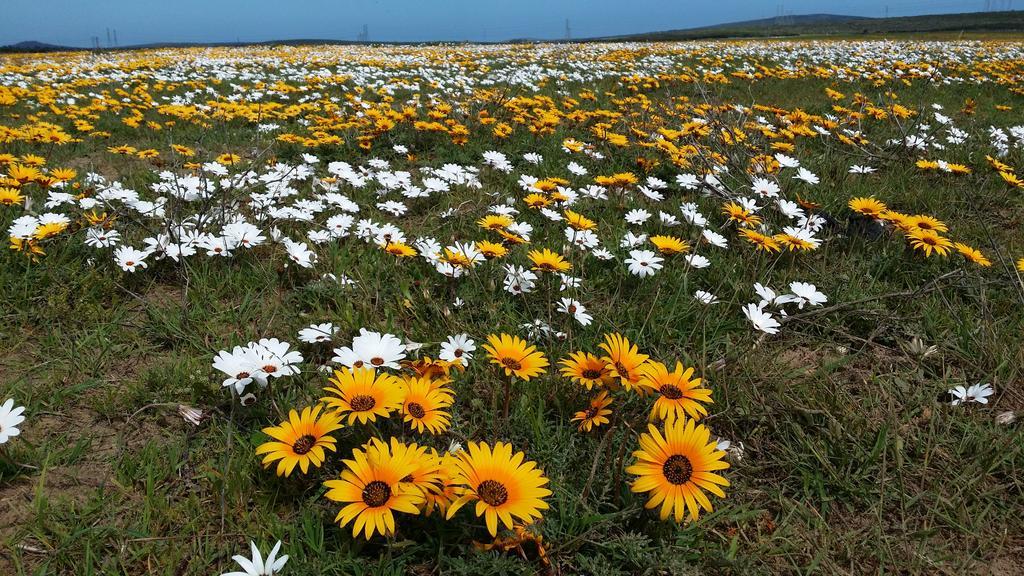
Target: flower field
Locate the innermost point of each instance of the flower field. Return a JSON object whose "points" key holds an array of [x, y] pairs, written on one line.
{"points": [[607, 309]]}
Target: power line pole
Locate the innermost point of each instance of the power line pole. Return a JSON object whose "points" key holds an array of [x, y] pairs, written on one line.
{"points": [[108, 37], [568, 30], [115, 37]]}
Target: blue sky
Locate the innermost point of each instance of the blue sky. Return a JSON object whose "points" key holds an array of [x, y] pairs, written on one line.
{"points": [[75, 22]]}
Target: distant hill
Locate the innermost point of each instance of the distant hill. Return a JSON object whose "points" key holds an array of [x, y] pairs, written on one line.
{"points": [[834, 24], [787, 26], [33, 46]]}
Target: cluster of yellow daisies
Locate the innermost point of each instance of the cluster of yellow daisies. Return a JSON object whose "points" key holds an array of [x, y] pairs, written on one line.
{"points": [[677, 462]]}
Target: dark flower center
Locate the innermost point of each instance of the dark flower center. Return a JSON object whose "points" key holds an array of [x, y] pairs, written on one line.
{"points": [[591, 373], [677, 469], [415, 410], [492, 492], [591, 412], [622, 370], [270, 368], [671, 391], [376, 361], [242, 375], [357, 364], [458, 353], [511, 363], [376, 493], [304, 444], [362, 403]]}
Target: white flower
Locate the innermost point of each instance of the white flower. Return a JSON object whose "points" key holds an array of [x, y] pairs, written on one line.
{"points": [[697, 261], [807, 294], [643, 263], [705, 297], [768, 296], [242, 365], [856, 169], [372, 349], [761, 320], [975, 393], [764, 187], [714, 238], [256, 566], [576, 169], [130, 259], [789, 209], [274, 358], [637, 216], [299, 252], [585, 239], [458, 348], [10, 418], [576, 310], [692, 215], [631, 240], [806, 175], [568, 282], [602, 254], [787, 161], [98, 237], [519, 280], [688, 181], [316, 333]]}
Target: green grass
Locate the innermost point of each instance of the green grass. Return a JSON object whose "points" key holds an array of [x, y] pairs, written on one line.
{"points": [[853, 463]]}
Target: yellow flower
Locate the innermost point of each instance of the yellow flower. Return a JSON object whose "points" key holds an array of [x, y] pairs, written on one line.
{"points": [[972, 254], [363, 394], [929, 241], [425, 404], [740, 215], [183, 150], [494, 222], [502, 484], [515, 356], [579, 221], [10, 196], [761, 241], [228, 159], [623, 360], [548, 261], [670, 245], [925, 222], [300, 440], [586, 369], [491, 250], [867, 206], [400, 249], [373, 487], [677, 467], [48, 230], [63, 174], [678, 395], [596, 414]]}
